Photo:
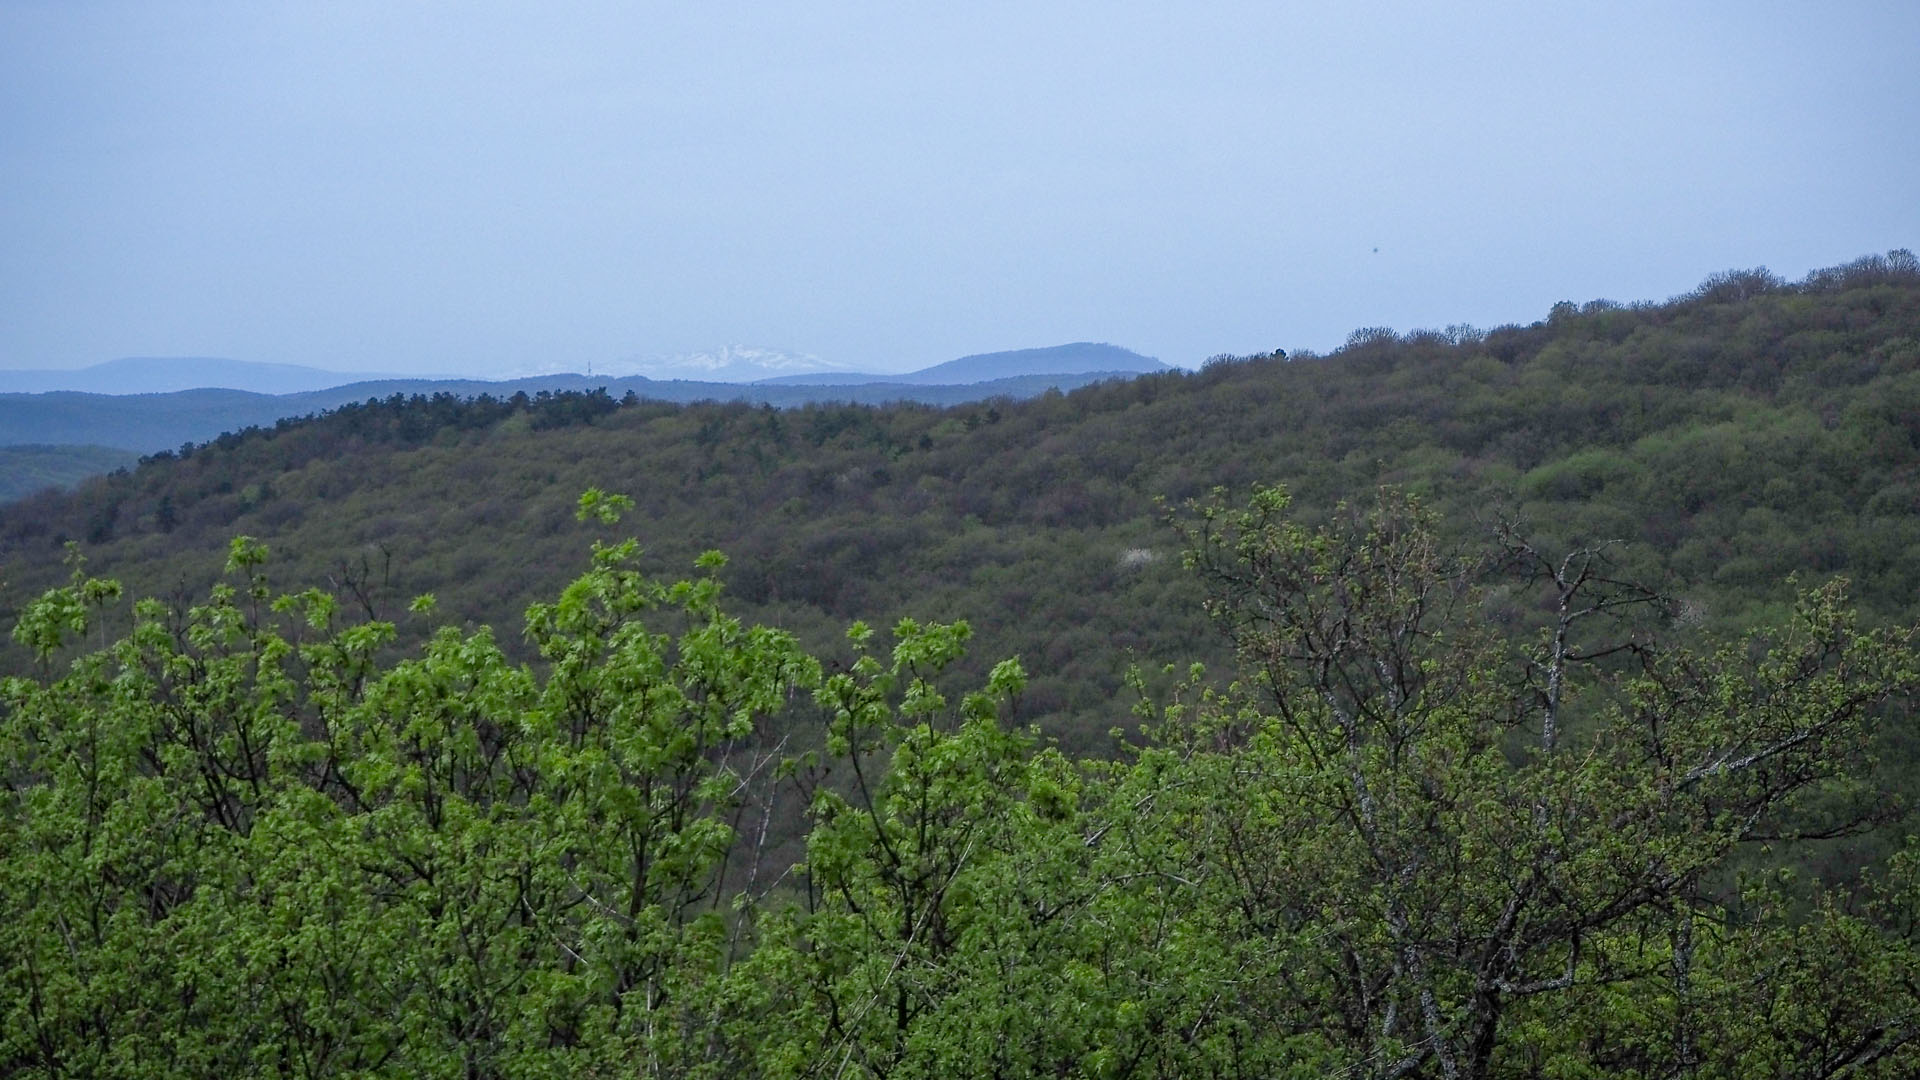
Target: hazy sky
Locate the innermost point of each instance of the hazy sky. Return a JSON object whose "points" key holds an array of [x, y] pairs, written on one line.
{"points": [[485, 187]]}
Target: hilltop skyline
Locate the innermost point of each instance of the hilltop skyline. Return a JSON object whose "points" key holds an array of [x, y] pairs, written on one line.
{"points": [[734, 365]]}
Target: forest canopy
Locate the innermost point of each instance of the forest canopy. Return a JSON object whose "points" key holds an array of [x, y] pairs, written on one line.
{"points": [[1459, 812], [1540, 706], [1745, 432]]}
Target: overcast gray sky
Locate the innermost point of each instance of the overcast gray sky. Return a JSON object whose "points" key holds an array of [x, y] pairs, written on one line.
{"points": [[490, 187]]}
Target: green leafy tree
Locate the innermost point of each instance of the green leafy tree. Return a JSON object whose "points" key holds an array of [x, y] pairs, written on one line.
{"points": [[1439, 843], [239, 843], [1460, 816]]}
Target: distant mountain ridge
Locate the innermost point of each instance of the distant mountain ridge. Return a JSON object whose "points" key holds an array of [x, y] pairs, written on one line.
{"points": [[145, 423], [170, 374], [1075, 358], [731, 365], [149, 404]]}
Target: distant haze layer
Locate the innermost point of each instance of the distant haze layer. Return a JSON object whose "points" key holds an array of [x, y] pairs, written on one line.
{"points": [[1077, 358], [127, 418], [169, 374], [733, 364]]}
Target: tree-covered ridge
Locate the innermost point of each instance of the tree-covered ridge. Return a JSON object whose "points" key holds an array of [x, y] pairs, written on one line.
{"points": [[1731, 438], [161, 421], [1403, 843]]}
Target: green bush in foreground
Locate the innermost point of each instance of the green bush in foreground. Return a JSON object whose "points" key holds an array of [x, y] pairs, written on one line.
{"points": [[1405, 843]]}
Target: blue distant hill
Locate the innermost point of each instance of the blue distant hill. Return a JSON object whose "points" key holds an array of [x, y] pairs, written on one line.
{"points": [[144, 423], [100, 416], [170, 374], [1078, 358]]}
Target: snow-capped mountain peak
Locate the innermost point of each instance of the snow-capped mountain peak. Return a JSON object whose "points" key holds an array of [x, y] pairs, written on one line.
{"points": [[729, 363]]}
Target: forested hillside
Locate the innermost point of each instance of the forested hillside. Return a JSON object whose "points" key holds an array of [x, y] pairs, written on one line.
{"points": [[1566, 753], [1731, 438], [1402, 844]]}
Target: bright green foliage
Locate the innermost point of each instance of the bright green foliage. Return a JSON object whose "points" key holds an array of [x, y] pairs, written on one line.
{"points": [[1458, 817], [234, 852]]}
